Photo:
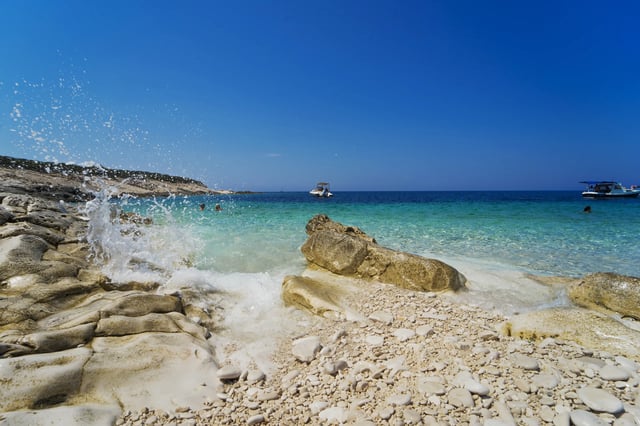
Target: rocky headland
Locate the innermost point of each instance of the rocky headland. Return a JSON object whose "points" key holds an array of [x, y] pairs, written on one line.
{"points": [[382, 340], [69, 182]]}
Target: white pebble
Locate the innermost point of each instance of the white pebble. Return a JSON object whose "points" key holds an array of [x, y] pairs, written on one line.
{"points": [[600, 400]]}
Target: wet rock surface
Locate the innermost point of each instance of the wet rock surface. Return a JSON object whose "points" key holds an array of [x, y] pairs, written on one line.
{"points": [[76, 348]]}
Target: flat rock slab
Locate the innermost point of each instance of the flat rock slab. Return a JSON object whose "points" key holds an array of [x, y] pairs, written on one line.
{"points": [[610, 291], [173, 370], [77, 415], [588, 328], [42, 379]]}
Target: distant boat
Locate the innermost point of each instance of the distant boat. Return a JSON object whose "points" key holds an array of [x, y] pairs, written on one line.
{"points": [[608, 189], [321, 190]]}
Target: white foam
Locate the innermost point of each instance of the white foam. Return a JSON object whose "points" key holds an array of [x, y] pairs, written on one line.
{"points": [[505, 289]]}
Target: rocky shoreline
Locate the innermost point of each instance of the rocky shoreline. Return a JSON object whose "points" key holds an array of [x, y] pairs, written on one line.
{"points": [[73, 183], [77, 348]]}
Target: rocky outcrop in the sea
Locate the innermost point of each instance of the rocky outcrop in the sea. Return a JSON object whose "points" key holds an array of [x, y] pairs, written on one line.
{"points": [[608, 291], [77, 348], [348, 251]]}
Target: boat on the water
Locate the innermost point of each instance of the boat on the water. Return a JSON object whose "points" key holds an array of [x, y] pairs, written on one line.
{"points": [[608, 189], [321, 190]]}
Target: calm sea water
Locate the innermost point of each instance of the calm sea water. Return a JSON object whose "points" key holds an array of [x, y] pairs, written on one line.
{"points": [[495, 238]]}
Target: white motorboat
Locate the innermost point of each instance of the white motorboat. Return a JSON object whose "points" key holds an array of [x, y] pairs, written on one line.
{"points": [[608, 189], [321, 190]]}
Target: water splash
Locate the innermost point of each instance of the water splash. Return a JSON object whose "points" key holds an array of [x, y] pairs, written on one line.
{"points": [[59, 121]]}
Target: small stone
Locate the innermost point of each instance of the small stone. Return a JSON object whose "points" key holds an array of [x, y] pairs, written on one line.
{"points": [[430, 388], [332, 368], [476, 387], [306, 348], [523, 385], [382, 316], [386, 413], [268, 395], [318, 406], [547, 381], [229, 372], [399, 399], [374, 340], [334, 414], [525, 362], [459, 397], [411, 416], [254, 420], [627, 419], [600, 400], [254, 376], [585, 418], [425, 331], [613, 373], [403, 334]]}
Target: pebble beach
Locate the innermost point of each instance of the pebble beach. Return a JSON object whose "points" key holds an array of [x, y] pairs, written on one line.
{"points": [[417, 358]]}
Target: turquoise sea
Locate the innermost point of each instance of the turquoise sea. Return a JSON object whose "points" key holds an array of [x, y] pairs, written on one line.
{"points": [[497, 239]]}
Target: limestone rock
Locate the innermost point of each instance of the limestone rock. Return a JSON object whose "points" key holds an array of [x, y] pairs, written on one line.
{"points": [[311, 295], [77, 415], [306, 348], [41, 380], [5, 215], [53, 340], [339, 253], [585, 327], [348, 251], [51, 236], [229, 372], [175, 370], [611, 291]]}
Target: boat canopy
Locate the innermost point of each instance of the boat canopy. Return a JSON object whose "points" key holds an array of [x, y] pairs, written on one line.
{"points": [[595, 182]]}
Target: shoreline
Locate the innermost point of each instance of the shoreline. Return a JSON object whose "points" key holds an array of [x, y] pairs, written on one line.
{"points": [[387, 356]]}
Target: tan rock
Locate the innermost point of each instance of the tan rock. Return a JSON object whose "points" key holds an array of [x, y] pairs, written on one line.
{"points": [[173, 322], [311, 295], [77, 415], [105, 304], [57, 340], [410, 271], [41, 380], [156, 370], [51, 236], [608, 291], [588, 328], [348, 251]]}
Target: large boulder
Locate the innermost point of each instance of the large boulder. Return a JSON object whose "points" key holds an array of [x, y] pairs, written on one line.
{"points": [[348, 251], [608, 291]]}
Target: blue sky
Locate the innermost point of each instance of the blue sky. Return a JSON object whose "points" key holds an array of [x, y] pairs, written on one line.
{"points": [[276, 95]]}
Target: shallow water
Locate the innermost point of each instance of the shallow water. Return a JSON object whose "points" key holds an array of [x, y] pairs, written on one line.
{"points": [[495, 238]]}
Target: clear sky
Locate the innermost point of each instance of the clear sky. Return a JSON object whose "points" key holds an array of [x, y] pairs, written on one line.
{"points": [[277, 95]]}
